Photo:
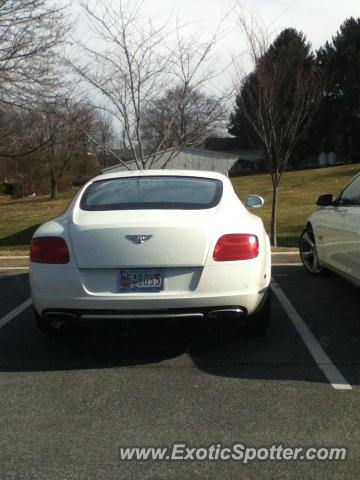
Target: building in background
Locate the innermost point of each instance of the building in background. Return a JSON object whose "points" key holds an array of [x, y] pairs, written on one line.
{"points": [[187, 158]]}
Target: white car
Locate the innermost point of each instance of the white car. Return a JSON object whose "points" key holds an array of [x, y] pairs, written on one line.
{"points": [[331, 239], [152, 244]]}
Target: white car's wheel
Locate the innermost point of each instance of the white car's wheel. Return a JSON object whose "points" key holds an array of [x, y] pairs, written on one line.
{"points": [[258, 323], [308, 252], [54, 328]]}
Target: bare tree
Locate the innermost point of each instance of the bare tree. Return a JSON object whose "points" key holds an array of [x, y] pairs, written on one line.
{"points": [[279, 98], [191, 119], [103, 133], [26, 172], [56, 138], [65, 124], [19, 132], [30, 33], [27, 132], [56, 144], [131, 62]]}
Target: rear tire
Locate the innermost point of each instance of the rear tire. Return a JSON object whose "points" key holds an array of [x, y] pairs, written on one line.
{"points": [[259, 322], [51, 327]]}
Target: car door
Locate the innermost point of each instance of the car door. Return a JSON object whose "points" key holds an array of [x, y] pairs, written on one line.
{"points": [[328, 231], [349, 205]]}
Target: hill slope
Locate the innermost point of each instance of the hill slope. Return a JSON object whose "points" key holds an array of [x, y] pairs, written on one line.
{"points": [[297, 195], [298, 192]]}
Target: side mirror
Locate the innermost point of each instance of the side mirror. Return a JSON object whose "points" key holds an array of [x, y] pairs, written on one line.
{"points": [[254, 201], [324, 200]]}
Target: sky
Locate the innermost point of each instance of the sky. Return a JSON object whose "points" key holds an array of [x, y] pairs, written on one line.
{"points": [[319, 20]]}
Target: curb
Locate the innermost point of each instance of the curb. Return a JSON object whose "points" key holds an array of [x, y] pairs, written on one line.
{"points": [[13, 262], [278, 258], [285, 258]]}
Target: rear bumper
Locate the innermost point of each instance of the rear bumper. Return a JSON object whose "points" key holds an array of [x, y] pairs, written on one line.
{"points": [[228, 312], [148, 308], [195, 290]]}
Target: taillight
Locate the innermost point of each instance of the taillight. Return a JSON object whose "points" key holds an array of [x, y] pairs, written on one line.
{"points": [[49, 250], [236, 246]]}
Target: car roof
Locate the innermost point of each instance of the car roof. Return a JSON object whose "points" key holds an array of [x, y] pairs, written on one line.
{"points": [[163, 172]]}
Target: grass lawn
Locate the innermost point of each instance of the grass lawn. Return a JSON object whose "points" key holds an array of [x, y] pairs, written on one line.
{"points": [[20, 218], [297, 195]]}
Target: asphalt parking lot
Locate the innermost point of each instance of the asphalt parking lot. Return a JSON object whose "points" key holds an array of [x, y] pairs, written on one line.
{"points": [[66, 407]]}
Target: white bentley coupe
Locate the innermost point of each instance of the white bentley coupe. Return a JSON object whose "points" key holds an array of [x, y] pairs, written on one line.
{"points": [[152, 244], [331, 239]]}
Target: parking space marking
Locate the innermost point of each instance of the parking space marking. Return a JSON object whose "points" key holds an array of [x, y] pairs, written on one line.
{"points": [[335, 377], [14, 313]]}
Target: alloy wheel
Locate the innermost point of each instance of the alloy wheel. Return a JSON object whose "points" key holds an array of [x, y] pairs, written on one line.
{"points": [[308, 253]]}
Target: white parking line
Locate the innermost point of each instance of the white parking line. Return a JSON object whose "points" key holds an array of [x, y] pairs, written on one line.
{"points": [[14, 313], [334, 376]]}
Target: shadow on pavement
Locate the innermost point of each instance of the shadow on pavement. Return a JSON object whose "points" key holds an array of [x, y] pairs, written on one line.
{"points": [[227, 352], [278, 355]]}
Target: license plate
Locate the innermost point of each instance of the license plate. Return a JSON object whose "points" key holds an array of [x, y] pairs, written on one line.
{"points": [[140, 281]]}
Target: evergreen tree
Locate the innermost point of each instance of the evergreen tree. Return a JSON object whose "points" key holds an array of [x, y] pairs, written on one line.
{"points": [[338, 125]]}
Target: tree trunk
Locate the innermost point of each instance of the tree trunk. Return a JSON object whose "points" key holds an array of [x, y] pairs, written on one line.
{"points": [[273, 238], [53, 185]]}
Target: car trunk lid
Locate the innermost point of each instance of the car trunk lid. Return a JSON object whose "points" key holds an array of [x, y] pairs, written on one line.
{"points": [[142, 238]]}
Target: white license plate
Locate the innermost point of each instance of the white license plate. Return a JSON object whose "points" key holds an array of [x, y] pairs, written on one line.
{"points": [[138, 280]]}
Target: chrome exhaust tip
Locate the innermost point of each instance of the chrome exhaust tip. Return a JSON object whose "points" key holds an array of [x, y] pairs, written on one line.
{"points": [[226, 314], [53, 315]]}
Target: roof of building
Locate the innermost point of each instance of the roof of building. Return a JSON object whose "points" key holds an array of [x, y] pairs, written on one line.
{"points": [[188, 150]]}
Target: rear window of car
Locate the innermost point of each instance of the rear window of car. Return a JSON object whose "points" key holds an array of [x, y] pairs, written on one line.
{"points": [[152, 192]]}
